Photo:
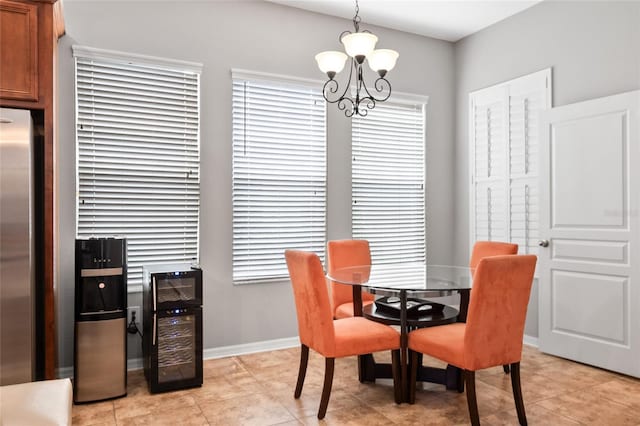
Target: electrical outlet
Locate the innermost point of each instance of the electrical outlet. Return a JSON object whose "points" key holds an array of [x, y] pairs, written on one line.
{"points": [[134, 312], [131, 310]]}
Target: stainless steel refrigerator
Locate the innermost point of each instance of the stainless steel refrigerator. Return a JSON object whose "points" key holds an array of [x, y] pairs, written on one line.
{"points": [[17, 248]]}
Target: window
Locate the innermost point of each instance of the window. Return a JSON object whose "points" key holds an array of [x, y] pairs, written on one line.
{"points": [[504, 144], [137, 124], [279, 175], [388, 204]]}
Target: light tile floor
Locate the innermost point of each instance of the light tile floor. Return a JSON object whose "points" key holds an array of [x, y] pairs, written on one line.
{"points": [[257, 389]]}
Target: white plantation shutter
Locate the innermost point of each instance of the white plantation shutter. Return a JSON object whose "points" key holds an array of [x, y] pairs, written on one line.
{"points": [[138, 159], [489, 138], [489, 166], [388, 204], [490, 208], [504, 143], [279, 175], [525, 215], [526, 99]]}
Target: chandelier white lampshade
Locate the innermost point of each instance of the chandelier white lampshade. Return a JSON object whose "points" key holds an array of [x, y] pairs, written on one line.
{"points": [[331, 61], [359, 44], [382, 60]]}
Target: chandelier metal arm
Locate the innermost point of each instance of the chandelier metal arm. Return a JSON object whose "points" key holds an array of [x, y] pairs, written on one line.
{"points": [[347, 105], [344, 102], [363, 98], [379, 86], [342, 34]]}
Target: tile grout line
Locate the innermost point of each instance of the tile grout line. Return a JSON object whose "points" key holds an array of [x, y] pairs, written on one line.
{"points": [[197, 404], [113, 413], [268, 393]]}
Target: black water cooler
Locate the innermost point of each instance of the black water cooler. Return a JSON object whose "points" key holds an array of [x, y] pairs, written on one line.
{"points": [[100, 349]]}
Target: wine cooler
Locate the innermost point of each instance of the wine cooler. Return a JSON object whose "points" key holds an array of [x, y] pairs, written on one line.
{"points": [[172, 337]]}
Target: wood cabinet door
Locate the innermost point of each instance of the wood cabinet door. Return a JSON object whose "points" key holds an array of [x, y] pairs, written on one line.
{"points": [[18, 51]]}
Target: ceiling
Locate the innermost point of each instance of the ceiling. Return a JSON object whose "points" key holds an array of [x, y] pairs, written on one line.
{"points": [[448, 20]]}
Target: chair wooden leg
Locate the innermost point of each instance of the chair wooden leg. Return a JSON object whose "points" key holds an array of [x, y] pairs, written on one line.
{"points": [[302, 371], [329, 363], [395, 368], [505, 368], [413, 376], [472, 403], [517, 393], [460, 381]]}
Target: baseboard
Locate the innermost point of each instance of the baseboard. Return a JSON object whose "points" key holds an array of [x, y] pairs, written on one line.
{"points": [[134, 364], [67, 372], [213, 353], [530, 341], [64, 373], [249, 348]]}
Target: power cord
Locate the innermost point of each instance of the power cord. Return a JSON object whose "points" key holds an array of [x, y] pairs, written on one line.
{"points": [[132, 328]]}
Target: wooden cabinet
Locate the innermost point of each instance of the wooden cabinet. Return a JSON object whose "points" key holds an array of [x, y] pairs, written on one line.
{"points": [[19, 54], [29, 31]]}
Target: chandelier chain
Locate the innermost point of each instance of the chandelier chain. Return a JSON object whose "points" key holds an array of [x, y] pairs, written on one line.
{"points": [[356, 18]]}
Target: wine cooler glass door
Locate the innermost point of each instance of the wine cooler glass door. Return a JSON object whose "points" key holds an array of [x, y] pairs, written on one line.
{"points": [[179, 346], [178, 288]]}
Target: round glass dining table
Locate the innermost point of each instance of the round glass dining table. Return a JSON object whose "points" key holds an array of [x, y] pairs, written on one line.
{"points": [[418, 278], [407, 289]]}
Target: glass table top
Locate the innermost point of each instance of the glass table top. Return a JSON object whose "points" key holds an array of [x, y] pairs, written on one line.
{"points": [[415, 277]]}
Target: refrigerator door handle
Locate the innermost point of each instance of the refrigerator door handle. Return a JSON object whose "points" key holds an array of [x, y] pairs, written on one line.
{"points": [[154, 329], [153, 293]]}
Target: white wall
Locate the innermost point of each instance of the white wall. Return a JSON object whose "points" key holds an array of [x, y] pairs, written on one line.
{"points": [[263, 37], [594, 50]]}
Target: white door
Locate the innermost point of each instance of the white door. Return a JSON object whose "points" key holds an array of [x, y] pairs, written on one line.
{"points": [[589, 305]]}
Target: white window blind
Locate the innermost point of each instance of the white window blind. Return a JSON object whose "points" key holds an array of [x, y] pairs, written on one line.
{"points": [[279, 176], [504, 146], [138, 156], [388, 203]]}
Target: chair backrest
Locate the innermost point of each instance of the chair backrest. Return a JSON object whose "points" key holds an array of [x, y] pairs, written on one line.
{"points": [[342, 254], [497, 310], [315, 320], [482, 249]]}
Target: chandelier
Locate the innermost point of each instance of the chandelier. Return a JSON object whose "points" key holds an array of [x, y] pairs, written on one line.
{"points": [[360, 46]]}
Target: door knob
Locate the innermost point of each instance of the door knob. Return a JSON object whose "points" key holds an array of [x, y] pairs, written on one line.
{"points": [[543, 243]]}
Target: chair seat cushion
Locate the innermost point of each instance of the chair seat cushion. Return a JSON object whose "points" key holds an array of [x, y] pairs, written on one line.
{"points": [[346, 309], [358, 335], [445, 342]]}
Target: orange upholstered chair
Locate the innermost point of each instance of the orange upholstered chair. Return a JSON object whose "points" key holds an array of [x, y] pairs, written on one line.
{"points": [[342, 254], [492, 335], [331, 338], [482, 249]]}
